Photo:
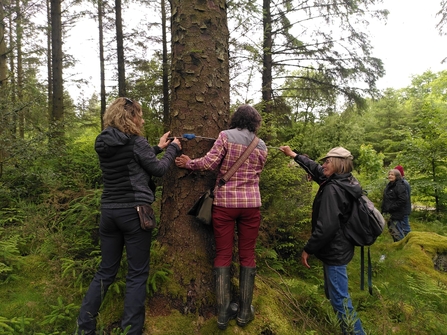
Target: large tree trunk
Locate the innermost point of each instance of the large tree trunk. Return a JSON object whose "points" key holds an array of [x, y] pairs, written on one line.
{"points": [[101, 60], [200, 102], [120, 50], [57, 111]]}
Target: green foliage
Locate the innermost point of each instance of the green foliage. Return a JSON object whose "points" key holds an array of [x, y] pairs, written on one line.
{"points": [[386, 124], [304, 93], [285, 209], [156, 277], [81, 163], [10, 216], [425, 152], [145, 86], [16, 325], [26, 170], [81, 270], [60, 315], [69, 220], [369, 163], [10, 259]]}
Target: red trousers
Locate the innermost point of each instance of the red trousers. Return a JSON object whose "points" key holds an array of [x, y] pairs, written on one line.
{"points": [[247, 222]]}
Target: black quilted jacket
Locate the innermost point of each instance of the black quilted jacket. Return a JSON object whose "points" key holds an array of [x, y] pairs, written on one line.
{"points": [[127, 163]]}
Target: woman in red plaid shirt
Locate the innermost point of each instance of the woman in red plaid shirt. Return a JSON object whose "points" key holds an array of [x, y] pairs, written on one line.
{"points": [[236, 202]]}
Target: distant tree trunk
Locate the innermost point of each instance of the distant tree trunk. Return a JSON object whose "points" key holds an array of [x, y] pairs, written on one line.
{"points": [[3, 59], [57, 112], [435, 182], [165, 62], [12, 79], [120, 50], [267, 57], [200, 102], [49, 66], [3, 84], [19, 71], [101, 60]]}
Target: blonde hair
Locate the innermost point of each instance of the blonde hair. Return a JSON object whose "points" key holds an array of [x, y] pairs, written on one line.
{"points": [[121, 115], [342, 165]]}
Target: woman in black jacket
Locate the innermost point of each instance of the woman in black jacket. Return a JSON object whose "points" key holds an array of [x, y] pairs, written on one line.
{"points": [[331, 209], [394, 203], [127, 162]]}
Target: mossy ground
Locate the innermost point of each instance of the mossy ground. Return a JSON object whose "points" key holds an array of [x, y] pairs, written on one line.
{"points": [[409, 296]]}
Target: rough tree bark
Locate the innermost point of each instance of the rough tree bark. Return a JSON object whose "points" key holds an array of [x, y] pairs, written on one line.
{"points": [[200, 102], [165, 67]]}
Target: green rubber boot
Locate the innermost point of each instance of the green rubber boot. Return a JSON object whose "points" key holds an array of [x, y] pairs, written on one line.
{"points": [[246, 311], [226, 310]]}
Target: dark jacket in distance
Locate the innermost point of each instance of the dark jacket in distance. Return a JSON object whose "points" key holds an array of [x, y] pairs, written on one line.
{"points": [[395, 200], [408, 188], [331, 208]]}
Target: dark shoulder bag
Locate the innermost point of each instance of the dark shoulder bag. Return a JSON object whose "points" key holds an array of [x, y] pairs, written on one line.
{"points": [[147, 216]]}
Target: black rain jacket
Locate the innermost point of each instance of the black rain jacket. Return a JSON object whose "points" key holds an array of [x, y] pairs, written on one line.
{"points": [[395, 199], [331, 208]]}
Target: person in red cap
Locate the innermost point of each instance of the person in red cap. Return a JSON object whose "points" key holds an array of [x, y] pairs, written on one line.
{"points": [[394, 204], [406, 220]]}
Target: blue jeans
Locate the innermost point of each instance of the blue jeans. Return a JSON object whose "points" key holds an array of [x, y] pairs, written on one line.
{"points": [[406, 224], [336, 289], [396, 229], [119, 228]]}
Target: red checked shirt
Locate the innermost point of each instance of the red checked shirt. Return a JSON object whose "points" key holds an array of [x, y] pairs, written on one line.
{"points": [[242, 190]]}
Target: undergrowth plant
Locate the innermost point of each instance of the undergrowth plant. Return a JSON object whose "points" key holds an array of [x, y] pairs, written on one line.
{"points": [[60, 316], [15, 325], [10, 258], [79, 271], [159, 271]]}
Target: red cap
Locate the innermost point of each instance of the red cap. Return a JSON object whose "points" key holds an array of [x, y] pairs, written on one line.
{"points": [[401, 169]]}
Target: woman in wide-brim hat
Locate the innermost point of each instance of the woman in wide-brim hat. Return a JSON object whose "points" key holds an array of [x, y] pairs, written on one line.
{"points": [[331, 207]]}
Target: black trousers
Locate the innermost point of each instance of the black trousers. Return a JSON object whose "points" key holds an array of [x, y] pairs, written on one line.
{"points": [[119, 228]]}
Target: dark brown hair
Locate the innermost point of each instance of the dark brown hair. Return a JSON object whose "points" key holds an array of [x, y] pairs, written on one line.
{"points": [[246, 117]]}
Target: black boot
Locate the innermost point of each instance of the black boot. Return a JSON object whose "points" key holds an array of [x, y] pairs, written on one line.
{"points": [[225, 309], [246, 283]]}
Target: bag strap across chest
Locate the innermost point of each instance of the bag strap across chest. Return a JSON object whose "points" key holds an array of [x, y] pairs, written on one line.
{"points": [[239, 161]]}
